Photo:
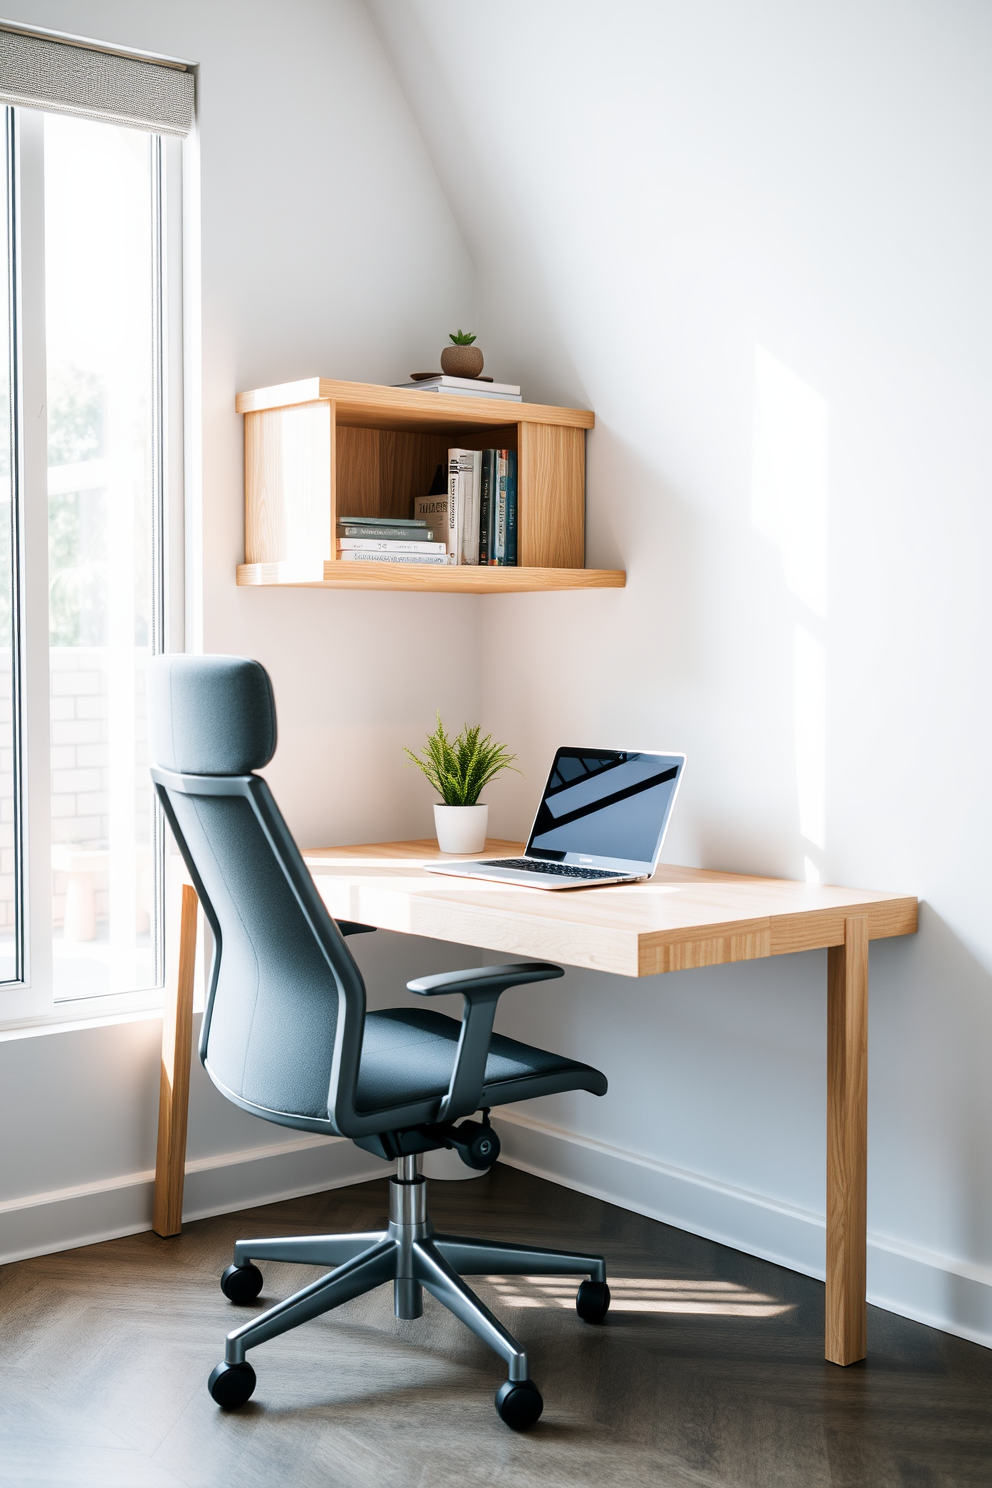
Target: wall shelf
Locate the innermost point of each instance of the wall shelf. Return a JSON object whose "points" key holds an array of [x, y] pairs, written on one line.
{"points": [[427, 578], [319, 448]]}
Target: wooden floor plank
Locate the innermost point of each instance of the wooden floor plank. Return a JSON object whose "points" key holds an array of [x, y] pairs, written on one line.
{"points": [[708, 1374]]}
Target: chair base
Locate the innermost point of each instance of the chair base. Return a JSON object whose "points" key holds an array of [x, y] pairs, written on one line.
{"points": [[412, 1256]]}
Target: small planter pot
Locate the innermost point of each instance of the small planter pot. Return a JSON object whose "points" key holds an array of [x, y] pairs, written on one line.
{"points": [[462, 361], [461, 829]]}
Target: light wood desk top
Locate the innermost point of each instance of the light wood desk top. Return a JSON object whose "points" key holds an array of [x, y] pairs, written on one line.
{"points": [[682, 918]]}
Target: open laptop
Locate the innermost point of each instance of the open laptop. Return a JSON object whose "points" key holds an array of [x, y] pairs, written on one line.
{"points": [[602, 820]]}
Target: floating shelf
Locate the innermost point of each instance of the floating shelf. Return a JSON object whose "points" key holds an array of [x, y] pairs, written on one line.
{"points": [[426, 578], [319, 449]]}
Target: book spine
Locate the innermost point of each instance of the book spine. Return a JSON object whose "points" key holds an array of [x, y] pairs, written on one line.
{"points": [[499, 535], [472, 473], [485, 494], [373, 545], [454, 537], [372, 533], [463, 486], [511, 508], [461, 392], [350, 556]]}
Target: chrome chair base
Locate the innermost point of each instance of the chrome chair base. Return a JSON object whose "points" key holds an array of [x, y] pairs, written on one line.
{"points": [[412, 1256]]}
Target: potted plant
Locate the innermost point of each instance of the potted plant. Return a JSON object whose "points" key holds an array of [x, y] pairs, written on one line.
{"points": [[459, 769], [461, 358]]}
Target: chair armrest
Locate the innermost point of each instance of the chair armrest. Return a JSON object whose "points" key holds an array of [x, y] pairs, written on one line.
{"points": [[481, 987], [352, 927]]}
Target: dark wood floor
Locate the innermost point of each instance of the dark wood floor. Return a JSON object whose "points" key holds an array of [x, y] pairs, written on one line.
{"points": [[708, 1372]]}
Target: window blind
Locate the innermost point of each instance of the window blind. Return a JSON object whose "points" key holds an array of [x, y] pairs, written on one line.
{"points": [[78, 79]]}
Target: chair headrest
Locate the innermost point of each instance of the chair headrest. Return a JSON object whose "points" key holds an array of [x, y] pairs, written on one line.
{"points": [[210, 715]]}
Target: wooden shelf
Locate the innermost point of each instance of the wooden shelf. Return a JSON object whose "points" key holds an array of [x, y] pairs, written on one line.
{"points": [[367, 405], [319, 449], [426, 578]]}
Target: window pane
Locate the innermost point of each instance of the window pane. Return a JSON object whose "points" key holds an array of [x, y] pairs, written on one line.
{"points": [[102, 339], [9, 852]]}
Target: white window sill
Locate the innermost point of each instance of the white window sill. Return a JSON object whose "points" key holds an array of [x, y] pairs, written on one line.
{"points": [[88, 1012]]}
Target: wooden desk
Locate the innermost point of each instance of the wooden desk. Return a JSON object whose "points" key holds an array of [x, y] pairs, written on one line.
{"points": [[683, 918]]}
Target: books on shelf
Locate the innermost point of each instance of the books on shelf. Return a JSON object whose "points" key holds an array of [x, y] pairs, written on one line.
{"points": [[498, 517], [473, 522], [382, 545], [351, 555], [482, 528], [463, 387], [386, 529]]}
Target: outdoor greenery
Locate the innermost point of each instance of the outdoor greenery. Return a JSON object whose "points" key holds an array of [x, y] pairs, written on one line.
{"points": [[459, 769], [461, 338], [77, 520]]}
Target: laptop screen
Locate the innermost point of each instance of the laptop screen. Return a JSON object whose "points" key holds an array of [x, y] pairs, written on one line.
{"points": [[605, 803]]}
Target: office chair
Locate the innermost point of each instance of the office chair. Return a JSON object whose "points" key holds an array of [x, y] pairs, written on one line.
{"points": [[286, 1036]]}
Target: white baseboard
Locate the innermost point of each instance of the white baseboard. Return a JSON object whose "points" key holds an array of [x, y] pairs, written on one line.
{"points": [[945, 1293], [65, 1218], [953, 1295]]}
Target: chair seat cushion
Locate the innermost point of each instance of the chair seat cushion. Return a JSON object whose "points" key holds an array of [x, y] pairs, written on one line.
{"points": [[408, 1055]]}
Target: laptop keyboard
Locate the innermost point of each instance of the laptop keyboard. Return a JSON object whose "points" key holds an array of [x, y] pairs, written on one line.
{"points": [[560, 870]]}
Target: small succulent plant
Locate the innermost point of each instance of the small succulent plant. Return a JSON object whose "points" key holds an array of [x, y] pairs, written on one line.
{"points": [[461, 338]]}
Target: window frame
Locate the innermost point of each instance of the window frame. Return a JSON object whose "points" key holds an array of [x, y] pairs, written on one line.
{"points": [[30, 1001]]}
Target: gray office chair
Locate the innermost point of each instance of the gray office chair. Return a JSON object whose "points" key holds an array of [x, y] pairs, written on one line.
{"points": [[287, 1037]]}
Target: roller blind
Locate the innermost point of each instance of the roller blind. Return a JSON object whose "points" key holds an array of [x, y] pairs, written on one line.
{"points": [[68, 78]]}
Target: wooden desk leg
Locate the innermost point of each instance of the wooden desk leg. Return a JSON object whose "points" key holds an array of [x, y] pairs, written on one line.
{"points": [[173, 1101], [847, 1144]]}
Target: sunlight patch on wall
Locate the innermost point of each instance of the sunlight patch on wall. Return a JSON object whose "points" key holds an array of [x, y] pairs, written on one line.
{"points": [[789, 476]]}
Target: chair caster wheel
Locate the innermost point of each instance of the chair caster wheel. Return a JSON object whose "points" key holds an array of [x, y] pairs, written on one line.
{"points": [[519, 1404], [231, 1384], [592, 1301], [241, 1284]]}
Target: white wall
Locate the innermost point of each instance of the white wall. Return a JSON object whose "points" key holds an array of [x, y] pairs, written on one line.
{"points": [[755, 239], [326, 246]]}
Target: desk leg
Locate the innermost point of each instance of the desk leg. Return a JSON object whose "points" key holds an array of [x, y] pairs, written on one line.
{"points": [[847, 1144], [173, 1101]]}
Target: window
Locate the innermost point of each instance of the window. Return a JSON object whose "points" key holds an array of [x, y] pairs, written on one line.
{"points": [[83, 557]]}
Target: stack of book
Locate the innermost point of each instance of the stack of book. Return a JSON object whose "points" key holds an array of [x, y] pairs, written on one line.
{"points": [[390, 540], [463, 387], [479, 513]]}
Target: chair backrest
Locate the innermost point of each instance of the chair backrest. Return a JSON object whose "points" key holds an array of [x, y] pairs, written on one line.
{"points": [[282, 1028]]}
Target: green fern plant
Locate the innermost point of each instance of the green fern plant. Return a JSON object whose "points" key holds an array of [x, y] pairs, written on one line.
{"points": [[459, 769], [461, 338]]}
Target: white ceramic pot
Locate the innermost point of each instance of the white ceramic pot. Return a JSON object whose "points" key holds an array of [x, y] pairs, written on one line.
{"points": [[461, 829]]}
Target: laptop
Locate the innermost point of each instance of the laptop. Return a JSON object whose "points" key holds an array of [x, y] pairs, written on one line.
{"points": [[602, 820]]}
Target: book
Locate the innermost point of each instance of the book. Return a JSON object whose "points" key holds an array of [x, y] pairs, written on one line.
{"points": [[486, 507], [351, 556], [373, 545], [372, 531], [440, 382], [499, 509], [433, 510], [466, 393], [381, 521], [464, 482], [511, 509]]}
